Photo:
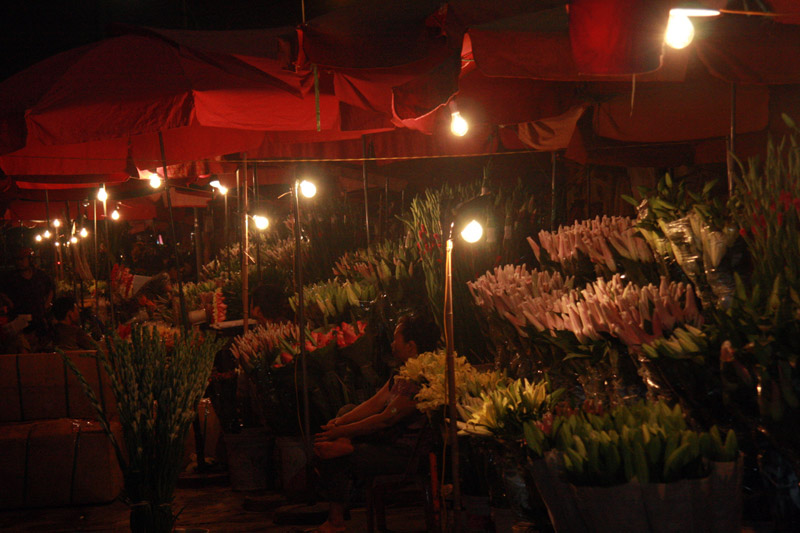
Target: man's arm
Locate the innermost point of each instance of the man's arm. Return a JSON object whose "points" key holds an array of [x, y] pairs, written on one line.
{"points": [[363, 410], [398, 409]]}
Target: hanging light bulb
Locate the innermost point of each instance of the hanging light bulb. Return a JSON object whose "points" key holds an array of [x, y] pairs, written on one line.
{"points": [[472, 232], [38, 238], [47, 234], [458, 124], [308, 189], [73, 239], [680, 31], [58, 243], [102, 195], [155, 180], [261, 223], [56, 223], [115, 214], [84, 233], [223, 190]]}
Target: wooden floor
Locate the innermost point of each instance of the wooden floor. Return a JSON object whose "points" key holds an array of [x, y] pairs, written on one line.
{"points": [[215, 508]]}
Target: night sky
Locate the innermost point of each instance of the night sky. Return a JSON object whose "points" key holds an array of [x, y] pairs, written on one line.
{"points": [[32, 30]]}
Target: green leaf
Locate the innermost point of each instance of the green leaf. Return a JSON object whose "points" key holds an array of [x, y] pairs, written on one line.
{"points": [[788, 121], [630, 199]]}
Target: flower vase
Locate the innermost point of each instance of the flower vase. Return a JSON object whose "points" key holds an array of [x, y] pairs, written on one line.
{"points": [[725, 499], [556, 494]]}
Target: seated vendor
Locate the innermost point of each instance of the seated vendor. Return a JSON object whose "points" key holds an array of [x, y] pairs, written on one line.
{"points": [[68, 334], [380, 435], [269, 302]]}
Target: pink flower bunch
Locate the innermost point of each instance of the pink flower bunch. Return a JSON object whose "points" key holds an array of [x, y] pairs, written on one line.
{"points": [[543, 302], [594, 238], [275, 342], [503, 290]]}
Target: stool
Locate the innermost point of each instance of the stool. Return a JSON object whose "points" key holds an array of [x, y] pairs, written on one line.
{"points": [[423, 481]]}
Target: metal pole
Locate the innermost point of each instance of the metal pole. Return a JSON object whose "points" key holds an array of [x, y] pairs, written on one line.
{"points": [[96, 265], [301, 323], [385, 225], [245, 255], [197, 245], [80, 278], [184, 318], [68, 224], [258, 234], [52, 246], [108, 261], [364, 178], [451, 381], [553, 191], [731, 140]]}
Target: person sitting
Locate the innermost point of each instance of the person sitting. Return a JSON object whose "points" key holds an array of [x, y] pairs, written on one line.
{"points": [[378, 436], [68, 333], [269, 303], [11, 338], [31, 292]]}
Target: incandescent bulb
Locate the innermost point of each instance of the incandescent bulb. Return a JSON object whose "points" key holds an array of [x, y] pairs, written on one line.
{"points": [[680, 32], [458, 125], [56, 223], [222, 190], [308, 189], [472, 232], [102, 195], [46, 234], [38, 238], [155, 180], [261, 223], [115, 214], [84, 233], [73, 239]]}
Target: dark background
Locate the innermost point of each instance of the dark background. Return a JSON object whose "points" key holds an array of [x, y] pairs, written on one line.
{"points": [[32, 30]]}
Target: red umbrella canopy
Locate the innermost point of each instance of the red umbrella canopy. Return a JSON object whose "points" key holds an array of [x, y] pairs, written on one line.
{"points": [[92, 109], [134, 84]]}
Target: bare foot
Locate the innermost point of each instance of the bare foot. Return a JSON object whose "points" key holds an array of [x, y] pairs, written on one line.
{"points": [[333, 448]]}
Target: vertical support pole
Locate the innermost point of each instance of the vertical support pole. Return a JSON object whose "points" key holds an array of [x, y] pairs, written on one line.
{"points": [[96, 265], [80, 261], [198, 263], [552, 191], [451, 380], [184, 318], [68, 229], [364, 179], [258, 234], [301, 323], [225, 238], [109, 264], [385, 224], [588, 194], [245, 252], [52, 246], [732, 140]]}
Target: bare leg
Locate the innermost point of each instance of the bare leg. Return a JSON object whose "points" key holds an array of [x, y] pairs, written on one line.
{"points": [[334, 448]]}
